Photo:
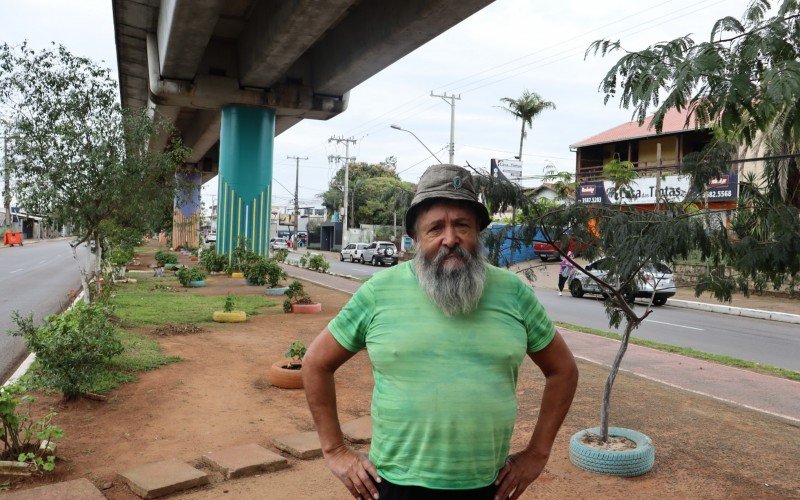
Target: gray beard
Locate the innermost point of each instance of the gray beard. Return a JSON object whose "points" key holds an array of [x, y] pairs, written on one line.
{"points": [[454, 291]]}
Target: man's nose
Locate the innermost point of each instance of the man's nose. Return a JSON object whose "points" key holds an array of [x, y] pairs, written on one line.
{"points": [[449, 237]]}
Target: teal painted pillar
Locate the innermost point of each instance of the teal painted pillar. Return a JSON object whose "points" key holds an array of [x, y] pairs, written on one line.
{"points": [[245, 177]]}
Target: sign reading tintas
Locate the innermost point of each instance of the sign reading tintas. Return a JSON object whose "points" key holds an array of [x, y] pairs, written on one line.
{"points": [[673, 189]]}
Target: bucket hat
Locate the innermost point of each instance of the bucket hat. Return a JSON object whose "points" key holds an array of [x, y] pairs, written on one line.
{"points": [[446, 182]]}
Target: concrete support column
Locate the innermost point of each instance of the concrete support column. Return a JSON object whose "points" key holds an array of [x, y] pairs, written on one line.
{"points": [[245, 177], [186, 216]]}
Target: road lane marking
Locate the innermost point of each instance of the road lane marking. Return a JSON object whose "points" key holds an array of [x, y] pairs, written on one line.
{"points": [[42, 261], [18, 270], [673, 324]]}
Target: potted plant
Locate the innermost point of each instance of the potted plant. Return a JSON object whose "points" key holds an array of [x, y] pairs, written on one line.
{"points": [[165, 259], [229, 314], [298, 301], [119, 261], [274, 274], [192, 277], [212, 261], [286, 373]]}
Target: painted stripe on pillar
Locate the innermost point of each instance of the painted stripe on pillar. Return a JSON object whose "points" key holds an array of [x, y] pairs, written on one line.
{"points": [[261, 241], [221, 221], [230, 228], [253, 226], [239, 222]]}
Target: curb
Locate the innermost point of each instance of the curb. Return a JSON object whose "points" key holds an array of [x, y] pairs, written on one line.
{"points": [[736, 311], [25, 366]]}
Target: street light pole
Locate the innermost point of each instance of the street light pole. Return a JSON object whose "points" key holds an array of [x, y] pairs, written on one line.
{"points": [[398, 127], [452, 103], [296, 191]]}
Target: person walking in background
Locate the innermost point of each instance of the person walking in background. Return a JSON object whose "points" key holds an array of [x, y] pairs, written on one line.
{"points": [[564, 273]]}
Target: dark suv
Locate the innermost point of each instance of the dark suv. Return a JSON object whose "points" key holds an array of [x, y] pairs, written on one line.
{"points": [[380, 253]]}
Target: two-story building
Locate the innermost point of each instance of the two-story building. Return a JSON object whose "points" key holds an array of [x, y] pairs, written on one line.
{"points": [[652, 155]]}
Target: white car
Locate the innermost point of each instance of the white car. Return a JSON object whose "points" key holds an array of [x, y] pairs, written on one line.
{"points": [[353, 252], [658, 278], [211, 238], [277, 243]]}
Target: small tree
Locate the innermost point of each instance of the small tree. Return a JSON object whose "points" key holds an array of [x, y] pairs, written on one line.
{"points": [[79, 157]]}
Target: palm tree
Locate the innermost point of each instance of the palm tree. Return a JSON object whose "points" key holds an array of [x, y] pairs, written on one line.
{"points": [[526, 108]]}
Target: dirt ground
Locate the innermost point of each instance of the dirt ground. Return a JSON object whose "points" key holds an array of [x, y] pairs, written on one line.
{"points": [[219, 396]]}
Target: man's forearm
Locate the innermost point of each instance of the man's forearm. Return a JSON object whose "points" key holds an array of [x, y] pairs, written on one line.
{"points": [[559, 390], [321, 396]]}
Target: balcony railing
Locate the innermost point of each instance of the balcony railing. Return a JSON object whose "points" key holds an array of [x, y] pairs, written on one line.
{"points": [[593, 171]]}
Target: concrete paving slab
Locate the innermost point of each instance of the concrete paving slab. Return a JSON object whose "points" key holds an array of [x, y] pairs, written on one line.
{"points": [[78, 489], [358, 430], [157, 479], [244, 460], [303, 445]]}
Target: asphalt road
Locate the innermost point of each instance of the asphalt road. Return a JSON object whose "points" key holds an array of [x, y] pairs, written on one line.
{"points": [[761, 341], [34, 279]]}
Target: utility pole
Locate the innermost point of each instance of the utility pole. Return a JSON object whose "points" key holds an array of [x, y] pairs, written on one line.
{"points": [[347, 159], [296, 191], [452, 102], [7, 182]]}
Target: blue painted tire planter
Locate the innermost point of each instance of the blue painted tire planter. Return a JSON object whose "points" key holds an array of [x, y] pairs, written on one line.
{"points": [[626, 463], [196, 284], [277, 291]]}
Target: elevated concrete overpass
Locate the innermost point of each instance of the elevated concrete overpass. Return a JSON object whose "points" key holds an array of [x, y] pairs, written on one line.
{"points": [[233, 74]]}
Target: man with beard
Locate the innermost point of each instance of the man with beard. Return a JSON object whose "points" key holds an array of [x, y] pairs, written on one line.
{"points": [[446, 335]]}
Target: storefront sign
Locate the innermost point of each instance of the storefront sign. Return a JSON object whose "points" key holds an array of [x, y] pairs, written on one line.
{"points": [[642, 191]]}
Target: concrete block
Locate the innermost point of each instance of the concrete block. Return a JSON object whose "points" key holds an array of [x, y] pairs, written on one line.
{"points": [[245, 460], [78, 489], [358, 430], [303, 445], [162, 478]]}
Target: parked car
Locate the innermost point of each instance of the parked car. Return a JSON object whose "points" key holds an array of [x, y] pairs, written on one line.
{"points": [[380, 253], [546, 251], [211, 238], [353, 252], [658, 277], [276, 243]]}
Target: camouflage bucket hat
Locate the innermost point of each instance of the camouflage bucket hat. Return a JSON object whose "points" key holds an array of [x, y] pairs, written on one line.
{"points": [[446, 182]]}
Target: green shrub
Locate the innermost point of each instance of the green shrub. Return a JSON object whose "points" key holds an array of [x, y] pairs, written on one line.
{"points": [[212, 261], [72, 348], [20, 435], [257, 271], [187, 274], [296, 352], [229, 304], [280, 254], [121, 256], [318, 263], [164, 257]]}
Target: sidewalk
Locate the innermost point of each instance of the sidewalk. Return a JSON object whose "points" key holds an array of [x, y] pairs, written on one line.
{"points": [[771, 395]]}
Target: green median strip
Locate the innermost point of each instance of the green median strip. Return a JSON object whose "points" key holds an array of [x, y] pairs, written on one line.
{"points": [[692, 353], [156, 301]]}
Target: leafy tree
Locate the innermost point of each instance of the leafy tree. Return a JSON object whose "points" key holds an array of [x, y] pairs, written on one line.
{"points": [[79, 157], [745, 81], [370, 185], [526, 108]]}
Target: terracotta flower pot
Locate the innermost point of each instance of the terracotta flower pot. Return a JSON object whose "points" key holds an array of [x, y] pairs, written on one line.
{"points": [[307, 308], [229, 317], [284, 377]]}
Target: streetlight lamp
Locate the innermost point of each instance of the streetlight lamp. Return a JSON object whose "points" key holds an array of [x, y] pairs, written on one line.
{"points": [[398, 127]]}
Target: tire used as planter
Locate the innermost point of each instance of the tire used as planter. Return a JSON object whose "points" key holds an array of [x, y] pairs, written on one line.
{"points": [[229, 317], [306, 308], [284, 377], [277, 290], [237, 275], [196, 284], [626, 463]]}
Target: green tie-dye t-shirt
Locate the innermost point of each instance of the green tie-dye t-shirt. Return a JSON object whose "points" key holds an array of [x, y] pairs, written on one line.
{"points": [[444, 401]]}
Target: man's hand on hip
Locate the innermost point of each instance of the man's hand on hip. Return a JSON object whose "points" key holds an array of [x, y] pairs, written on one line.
{"points": [[354, 470], [520, 470]]}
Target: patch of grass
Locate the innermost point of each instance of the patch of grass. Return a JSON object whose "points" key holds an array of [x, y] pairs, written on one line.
{"points": [[141, 354], [146, 250], [157, 301], [692, 353]]}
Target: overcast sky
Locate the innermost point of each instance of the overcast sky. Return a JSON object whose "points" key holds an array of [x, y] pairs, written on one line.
{"points": [[509, 46]]}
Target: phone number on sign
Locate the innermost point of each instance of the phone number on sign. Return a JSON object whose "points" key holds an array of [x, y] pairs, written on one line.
{"points": [[720, 194]]}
